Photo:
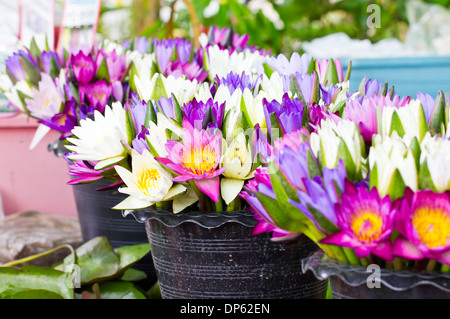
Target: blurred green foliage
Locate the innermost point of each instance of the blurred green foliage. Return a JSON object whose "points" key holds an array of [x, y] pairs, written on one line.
{"points": [[301, 20]]}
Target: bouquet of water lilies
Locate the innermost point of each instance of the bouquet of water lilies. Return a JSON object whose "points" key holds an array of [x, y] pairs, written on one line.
{"points": [[368, 186], [201, 121], [61, 88]]}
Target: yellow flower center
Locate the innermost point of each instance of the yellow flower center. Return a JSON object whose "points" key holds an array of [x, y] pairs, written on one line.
{"points": [[432, 226], [199, 160], [367, 226], [99, 95], [148, 179]]}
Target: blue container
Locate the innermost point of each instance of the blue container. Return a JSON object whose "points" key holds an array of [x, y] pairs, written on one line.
{"points": [[408, 75]]}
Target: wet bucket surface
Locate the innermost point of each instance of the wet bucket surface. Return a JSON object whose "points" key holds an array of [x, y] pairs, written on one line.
{"points": [[213, 255]]}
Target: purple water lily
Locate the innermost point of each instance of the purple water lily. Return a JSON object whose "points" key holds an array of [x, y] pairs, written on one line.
{"points": [[296, 64], [20, 65], [46, 60], [164, 50], [192, 70], [83, 66], [289, 114], [261, 183], [202, 115], [424, 223], [238, 81], [64, 121], [184, 49], [115, 63], [321, 195], [97, 94], [365, 222]]}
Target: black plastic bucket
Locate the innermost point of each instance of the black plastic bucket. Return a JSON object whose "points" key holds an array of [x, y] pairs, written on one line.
{"points": [[200, 255], [98, 219]]}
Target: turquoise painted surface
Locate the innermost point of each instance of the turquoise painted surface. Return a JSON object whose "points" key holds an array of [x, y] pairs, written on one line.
{"points": [[408, 75]]}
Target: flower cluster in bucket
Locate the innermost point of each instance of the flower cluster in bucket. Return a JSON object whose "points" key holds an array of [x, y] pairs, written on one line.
{"points": [[61, 88], [199, 121], [368, 185]]}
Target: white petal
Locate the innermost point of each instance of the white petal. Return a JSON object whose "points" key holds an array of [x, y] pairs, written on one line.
{"points": [[230, 188]]}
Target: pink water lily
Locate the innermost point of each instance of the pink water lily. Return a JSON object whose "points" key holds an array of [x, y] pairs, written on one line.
{"points": [[196, 158], [424, 223], [366, 222]]}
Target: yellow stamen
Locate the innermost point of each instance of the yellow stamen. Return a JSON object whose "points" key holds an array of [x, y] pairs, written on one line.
{"points": [[199, 160], [432, 226], [367, 226], [147, 180]]}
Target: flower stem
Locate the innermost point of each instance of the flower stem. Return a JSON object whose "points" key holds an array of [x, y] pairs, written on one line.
{"points": [[431, 264], [231, 206], [36, 256], [219, 206], [445, 268], [398, 263], [351, 256]]}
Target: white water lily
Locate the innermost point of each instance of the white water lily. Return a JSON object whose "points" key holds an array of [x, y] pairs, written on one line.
{"points": [[46, 102], [237, 160], [395, 164], [148, 182], [407, 120], [11, 91], [142, 68], [221, 62], [253, 107], [158, 85], [100, 139], [342, 140], [434, 160], [157, 137], [274, 86]]}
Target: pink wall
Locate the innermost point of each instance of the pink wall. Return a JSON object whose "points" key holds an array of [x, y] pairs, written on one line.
{"points": [[32, 179]]}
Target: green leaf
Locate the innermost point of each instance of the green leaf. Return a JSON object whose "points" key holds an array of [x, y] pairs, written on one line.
{"points": [[416, 150], [97, 260], [396, 186], [315, 94], [349, 71], [177, 110], [275, 126], [362, 87], [373, 176], [150, 115], [33, 73], [313, 166], [102, 72], [54, 70], [396, 125], [438, 115], [35, 278], [425, 180], [158, 90], [34, 48], [279, 215], [120, 290], [350, 167], [132, 274], [23, 293], [331, 76], [322, 220], [129, 255]]}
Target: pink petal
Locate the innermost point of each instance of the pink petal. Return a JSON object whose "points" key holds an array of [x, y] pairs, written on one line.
{"points": [[404, 248], [384, 250], [341, 239], [209, 186], [445, 258]]}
